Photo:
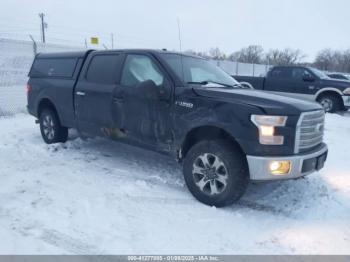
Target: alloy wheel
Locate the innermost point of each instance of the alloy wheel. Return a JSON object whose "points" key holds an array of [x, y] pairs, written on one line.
{"points": [[327, 104], [210, 174], [49, 127]]}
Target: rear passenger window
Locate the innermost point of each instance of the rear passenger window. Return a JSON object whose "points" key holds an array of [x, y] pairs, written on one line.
{"points": [[103, 69], [281, 73], [54, 67]]}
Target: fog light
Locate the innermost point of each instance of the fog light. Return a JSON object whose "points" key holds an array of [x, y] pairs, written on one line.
{"points": [[280, 167]]}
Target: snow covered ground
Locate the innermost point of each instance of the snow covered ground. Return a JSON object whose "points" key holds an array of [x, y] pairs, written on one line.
{"points": [[102, 197]]}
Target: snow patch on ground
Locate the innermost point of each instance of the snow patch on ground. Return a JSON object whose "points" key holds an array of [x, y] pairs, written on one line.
{"points": [[102, 197]]}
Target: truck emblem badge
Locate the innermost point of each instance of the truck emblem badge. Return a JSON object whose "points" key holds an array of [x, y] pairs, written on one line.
{"points": [[184, 104]]}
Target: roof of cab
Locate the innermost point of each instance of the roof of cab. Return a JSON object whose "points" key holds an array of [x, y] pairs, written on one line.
{"points": [[153, 51], [81, 54], [63, 54]]}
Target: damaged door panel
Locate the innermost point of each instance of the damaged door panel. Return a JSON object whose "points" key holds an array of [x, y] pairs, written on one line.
{"points": [[142, 101]]}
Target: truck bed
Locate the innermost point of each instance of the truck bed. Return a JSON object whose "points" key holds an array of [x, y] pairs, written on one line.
{"points": [[55, 75]]}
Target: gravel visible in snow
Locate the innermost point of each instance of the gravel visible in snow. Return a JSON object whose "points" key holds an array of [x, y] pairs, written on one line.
{"points": [[103, 197]]}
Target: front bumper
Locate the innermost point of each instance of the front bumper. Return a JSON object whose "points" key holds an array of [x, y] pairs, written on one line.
{"points": [[346, 100], [301, 165]]}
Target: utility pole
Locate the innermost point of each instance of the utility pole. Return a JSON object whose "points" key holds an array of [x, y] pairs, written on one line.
{"points": [[112, 39], [43, 26]]}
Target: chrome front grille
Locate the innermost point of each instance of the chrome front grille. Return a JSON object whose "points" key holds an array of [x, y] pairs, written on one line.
{"points": [[310, 129]]}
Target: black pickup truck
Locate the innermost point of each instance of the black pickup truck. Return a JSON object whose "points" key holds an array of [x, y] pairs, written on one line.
{"points": [[183, 106], [305, 83]]}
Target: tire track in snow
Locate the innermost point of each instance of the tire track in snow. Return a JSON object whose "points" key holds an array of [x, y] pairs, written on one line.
{"points": [[242, 204], [32, 228], [68, 243]]}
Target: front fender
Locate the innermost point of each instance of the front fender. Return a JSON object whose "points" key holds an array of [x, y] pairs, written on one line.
{"points": [[233, 119]]}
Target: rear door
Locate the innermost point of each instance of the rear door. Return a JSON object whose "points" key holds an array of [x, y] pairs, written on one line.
{"points": [[280, 80], [93, 93]]}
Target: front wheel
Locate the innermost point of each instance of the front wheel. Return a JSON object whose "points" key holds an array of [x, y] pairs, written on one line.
{"points": [[50, 127], [330, 103], [216, 173]]}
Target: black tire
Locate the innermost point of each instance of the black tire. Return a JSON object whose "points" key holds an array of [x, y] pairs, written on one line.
{"points": [[51, 129], [234, 162], [247, 85], [330, 103]]}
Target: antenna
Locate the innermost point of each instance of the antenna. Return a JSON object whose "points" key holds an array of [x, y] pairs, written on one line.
{"points": [[179, 32], [180, 45]]}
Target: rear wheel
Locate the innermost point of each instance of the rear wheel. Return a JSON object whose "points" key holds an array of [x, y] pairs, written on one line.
{"points": [[216, 173], [50, 127], [330, 103]]}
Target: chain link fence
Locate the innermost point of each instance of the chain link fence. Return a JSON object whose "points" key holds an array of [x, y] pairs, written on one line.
{"points": [[16, 57], [242, 69]]}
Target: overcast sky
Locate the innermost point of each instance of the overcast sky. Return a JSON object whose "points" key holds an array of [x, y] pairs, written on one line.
{"points": [[309, 25]]}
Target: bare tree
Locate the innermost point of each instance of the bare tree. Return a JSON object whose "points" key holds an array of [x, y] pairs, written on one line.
{"points": [[344, 61], [251, 54], [216, 53], [284, 57], [332, 60], [326, 59]]}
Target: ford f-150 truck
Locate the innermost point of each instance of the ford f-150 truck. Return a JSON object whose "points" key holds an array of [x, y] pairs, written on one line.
{"points": [[181, 105], [305, 83]]}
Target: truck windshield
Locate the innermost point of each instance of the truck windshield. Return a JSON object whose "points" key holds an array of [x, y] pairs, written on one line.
{"points": [[193, 70], [319, 73]]}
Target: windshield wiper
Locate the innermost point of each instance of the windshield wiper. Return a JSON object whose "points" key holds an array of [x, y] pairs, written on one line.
{"points": [[204, 83]]}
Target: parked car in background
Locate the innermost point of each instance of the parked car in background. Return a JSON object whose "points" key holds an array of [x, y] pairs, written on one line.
{"points": [[183, 106], [339, 76], [305, 83]]}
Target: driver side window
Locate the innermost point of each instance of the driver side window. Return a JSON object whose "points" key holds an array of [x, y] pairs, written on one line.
{"points": [[140, 68], [299, 73]]}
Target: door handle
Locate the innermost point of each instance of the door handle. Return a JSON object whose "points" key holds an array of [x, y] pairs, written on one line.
{"points": [[118, 99], [79, 93]]}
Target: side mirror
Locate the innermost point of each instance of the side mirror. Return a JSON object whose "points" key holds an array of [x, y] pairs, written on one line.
{"points": [[165, 90], [148, 89], [308, 78]]}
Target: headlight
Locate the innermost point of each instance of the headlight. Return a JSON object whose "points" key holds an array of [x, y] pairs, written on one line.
{"points": [[266, 125], [347, 91]]}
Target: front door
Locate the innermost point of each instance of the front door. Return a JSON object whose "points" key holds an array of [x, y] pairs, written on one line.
{"points": [[306, 85], [142, 105]]}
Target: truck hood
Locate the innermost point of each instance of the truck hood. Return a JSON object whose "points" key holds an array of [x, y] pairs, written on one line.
{"points": [[339, 84], [269, 103]]}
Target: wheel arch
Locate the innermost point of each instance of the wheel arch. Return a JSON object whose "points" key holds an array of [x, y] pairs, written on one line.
{"points": [[205, 132], [330, 91], [46, 103]]}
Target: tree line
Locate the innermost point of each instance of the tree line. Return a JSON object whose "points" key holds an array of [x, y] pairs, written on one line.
{"points": [[326, 60]]}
